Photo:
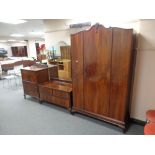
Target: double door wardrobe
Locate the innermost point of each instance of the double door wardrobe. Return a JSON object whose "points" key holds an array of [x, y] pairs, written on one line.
{"points": [[102, 68]]}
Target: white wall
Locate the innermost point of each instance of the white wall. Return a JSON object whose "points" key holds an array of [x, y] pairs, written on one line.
{"points": [[31, 48], [18, 44], [6, 47], [54, 39], [144, 83]]}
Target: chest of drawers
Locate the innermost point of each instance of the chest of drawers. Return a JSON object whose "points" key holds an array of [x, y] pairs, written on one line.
{"points": [[56, 92]]}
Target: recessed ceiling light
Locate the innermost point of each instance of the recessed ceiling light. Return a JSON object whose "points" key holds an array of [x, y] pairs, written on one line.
{"points": [[17, 35], [37, 33], [12, 21]]}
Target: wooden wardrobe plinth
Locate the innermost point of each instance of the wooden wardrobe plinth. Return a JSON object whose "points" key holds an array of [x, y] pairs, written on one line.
{"points": [[56, 92], [100, 117]]}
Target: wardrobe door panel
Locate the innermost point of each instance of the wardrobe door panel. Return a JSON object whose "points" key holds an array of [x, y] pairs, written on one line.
{"points": [[120, 73], [97, 59], [77, 69]]}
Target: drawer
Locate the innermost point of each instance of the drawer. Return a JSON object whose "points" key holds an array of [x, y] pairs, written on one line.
{"points": [[33, 93], [56, 100], [61, 94], [30, 89], [44, 90], [29, 86]]}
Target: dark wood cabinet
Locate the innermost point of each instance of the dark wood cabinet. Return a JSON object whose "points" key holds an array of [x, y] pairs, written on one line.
{"points": [[31, 77], [37, 82], [19, 51], [101, 73]]}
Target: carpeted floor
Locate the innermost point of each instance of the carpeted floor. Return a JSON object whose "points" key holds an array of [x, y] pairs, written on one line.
{"points": [[27, 117]]}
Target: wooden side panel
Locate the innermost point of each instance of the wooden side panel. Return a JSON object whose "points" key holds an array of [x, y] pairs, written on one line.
{"points": [[42, 75], [97, 60], [29, 76], [30, 89], [120, 73], [77, 69]]}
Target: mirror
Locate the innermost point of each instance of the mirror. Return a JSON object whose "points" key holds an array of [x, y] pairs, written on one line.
{"points": [[61, 57]]}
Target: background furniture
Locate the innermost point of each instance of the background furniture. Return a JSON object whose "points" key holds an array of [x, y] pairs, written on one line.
{"points": [[8, 74], [102, 63], [65, 52], [64, 69], [19, 51]]}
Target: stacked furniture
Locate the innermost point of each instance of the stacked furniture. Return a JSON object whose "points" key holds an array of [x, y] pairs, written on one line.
{"points": [[102, 64]]}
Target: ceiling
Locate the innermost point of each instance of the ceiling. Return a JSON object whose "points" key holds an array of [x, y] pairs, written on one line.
{"points": [[44, 25], [25, 28]]}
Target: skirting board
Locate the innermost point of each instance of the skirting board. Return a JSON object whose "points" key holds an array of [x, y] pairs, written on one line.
{"points": [[136, 121]]}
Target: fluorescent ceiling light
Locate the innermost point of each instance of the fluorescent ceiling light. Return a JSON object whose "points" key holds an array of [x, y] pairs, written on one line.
{"points": [[13, 21], [37, 33], [17, 35]]}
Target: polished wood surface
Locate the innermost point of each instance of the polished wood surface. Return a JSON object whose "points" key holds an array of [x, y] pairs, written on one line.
{"points": [[120, 73], [97, 57], [102, 73], [31, 89], [56, 92], [57, 85], [77, 69], [35, 74], [31, 77]]}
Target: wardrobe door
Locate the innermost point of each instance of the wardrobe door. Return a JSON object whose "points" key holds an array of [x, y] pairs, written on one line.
{"points": [[77, 69], [120, 73], [97, 60]]}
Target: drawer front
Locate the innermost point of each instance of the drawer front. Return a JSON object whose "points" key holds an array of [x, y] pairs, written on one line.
{"points": [[30, 89], [61, 94], [55, 100], [46, 91]]}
